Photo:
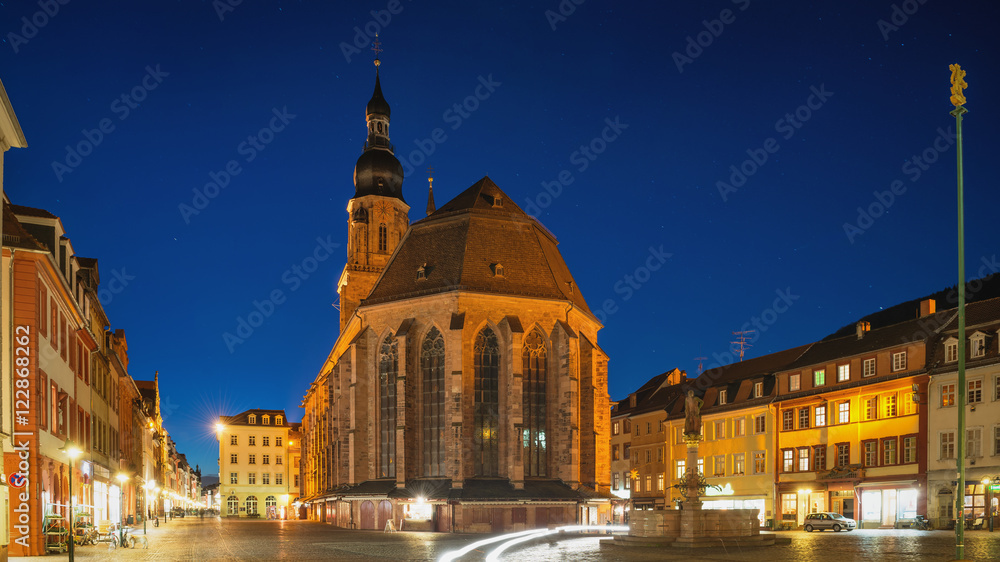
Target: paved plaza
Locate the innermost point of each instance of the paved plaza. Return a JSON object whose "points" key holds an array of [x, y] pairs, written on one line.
{"points": [[229, 539]]}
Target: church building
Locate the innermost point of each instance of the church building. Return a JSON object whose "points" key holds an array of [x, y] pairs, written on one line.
{"points": [[466, 391]]}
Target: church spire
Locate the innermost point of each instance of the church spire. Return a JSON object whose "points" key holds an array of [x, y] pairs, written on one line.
{"points": [[430, 190], [377, 171]]}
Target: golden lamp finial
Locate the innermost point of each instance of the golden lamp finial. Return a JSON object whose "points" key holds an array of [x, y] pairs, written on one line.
{"points": [[957, 85]]}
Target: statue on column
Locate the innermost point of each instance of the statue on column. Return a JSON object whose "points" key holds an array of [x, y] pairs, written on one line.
{"points": [[692, 414]]}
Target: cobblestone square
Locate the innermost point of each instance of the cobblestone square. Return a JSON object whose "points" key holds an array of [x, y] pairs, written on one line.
{"points": [[232, 539]]}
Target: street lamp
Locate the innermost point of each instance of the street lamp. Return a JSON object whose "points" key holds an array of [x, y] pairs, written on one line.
{"points": [[72, 451]]}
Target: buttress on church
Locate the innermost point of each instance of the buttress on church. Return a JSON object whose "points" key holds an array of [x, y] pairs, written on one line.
{"points": [[466, 391]]}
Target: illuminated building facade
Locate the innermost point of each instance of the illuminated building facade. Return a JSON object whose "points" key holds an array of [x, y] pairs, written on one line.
{"points": [[850, 436], [466, 391], [256, 466]]}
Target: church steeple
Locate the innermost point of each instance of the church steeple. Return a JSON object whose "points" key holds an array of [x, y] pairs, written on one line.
{"points": [[377, 171], [378, 215]]}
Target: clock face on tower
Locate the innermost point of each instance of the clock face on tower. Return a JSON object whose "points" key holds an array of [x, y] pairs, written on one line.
{"points": [[382, 209]]}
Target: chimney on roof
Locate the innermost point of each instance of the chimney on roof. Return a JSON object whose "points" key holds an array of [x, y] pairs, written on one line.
{"points": [[927, 307], [863, 328]]}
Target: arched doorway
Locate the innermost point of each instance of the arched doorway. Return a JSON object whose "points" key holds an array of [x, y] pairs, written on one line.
{"points": [[367, 515], [384, 513], [251, 505]]}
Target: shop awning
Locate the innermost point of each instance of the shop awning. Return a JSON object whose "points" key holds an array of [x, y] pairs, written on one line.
{"points": [[887, 484]]}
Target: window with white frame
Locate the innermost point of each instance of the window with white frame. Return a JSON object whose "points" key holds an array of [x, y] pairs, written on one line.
{"points": [[649, 483], [233, 458], [739, 427], [679, 469], [909, 449], [844, 412], [251, 478], [899, 361], [787, 420], [843, 372], [252, 440], [804, 418], [758, 389], [266, 459], [794, 382], [252, 419], [720, 465], [947, 440], [615, 481], [788, 460], [659, 454], [278, 420], [803, 459], [722, 396], [233, 440], [720, 429], [659, 481], [996, 440], [279, 478], [234, 478], [974, 442], [996, 387], [649, 456], [951, 350], [679, 435], [868, 367], [277, 441], [889, 409], [615, 429], [975, 394], [820, 413], [947, 395], [266, 441], [739, 463], [871, 408], [265, 479], [701, 466], [977, 345], [627, 480], [759, 462], [819, 377], [253, 459], [266, 419]]}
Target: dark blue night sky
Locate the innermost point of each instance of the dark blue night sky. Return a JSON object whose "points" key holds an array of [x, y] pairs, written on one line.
{"points": [[698, 163]]}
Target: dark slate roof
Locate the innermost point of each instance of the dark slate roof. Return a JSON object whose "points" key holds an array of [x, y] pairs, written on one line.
{"points": [[976, 314], [14, 234], [750, 368], [654, 395], [241, 418], [832, 349], [32, 212], [463, 241]]}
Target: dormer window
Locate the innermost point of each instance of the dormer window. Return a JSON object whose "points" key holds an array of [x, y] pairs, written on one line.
{"points": [[722, 397], [758, 389], [950, 350], [977, 345], [498, 202], [497, 269], [422, 272], [266, 420], [252, 419], [278, 420]]}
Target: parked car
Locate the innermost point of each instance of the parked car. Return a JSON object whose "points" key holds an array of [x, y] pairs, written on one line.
{"points": [[828, 520]]}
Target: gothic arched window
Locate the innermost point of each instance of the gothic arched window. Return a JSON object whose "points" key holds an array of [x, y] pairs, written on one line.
{"points": [[388, 363], [383, 238], [486, 408], [432, 368], [533, 434]]}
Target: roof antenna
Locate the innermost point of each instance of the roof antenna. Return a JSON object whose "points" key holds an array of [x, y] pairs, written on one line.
{"points": [[701, 365], [742, 342]]}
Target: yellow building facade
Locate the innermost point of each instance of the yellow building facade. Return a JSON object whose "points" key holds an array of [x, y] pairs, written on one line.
{"points": [[255, 469], [849, 431]]}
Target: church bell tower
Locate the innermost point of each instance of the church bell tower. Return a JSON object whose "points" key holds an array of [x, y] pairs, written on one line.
{"points": [[377, 214]]}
